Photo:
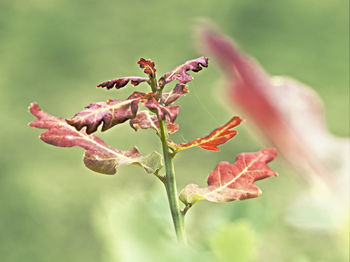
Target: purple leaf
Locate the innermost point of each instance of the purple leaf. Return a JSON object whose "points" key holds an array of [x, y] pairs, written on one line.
{"points": [[179, 90], [148, 65], [144, 120], [123, 81], [162, 111], [109, 113], [98, 156], [180, 72]]}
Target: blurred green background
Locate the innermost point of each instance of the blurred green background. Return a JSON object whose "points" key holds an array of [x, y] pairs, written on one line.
{"points": [[55, 52]]}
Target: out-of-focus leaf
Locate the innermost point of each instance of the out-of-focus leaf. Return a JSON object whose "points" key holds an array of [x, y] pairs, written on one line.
{"points": [[234, 242], [162, 111], [178, 91], [148, 65], [123, 81], [129, 237], [98, 156], [343, 238], [180, 73], [217, 137], [290, 116], [109, 113], [233, 182], [145, 120]]}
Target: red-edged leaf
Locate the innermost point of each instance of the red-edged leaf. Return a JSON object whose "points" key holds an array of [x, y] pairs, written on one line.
{"points": [[123, 81], [233, 182], [217, 137], [162, 111], [98, 156], [179, 90], [290, 116], [145, 120], [180, 72], [148, 65], [109, 113]]}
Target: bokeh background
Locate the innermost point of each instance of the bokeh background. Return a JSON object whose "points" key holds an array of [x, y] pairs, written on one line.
{"points": [[55, 52]]}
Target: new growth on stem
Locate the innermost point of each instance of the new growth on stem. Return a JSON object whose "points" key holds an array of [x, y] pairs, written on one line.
{"points": [[228, 182]]}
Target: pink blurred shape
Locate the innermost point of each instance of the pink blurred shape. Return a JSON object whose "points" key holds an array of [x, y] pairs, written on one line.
{"points": [[289, 115]]}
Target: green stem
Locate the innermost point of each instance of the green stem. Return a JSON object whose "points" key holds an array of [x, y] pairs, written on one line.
{"points": [[170, 186], [153, 84], [169, 179]]}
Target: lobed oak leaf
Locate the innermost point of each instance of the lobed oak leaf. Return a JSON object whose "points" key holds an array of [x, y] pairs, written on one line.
{"points": [[123, 81], [162, 111], [145, 120], [148, 65], [180, 72], [233, 182], [108, 113], [210, 142], [290, 116], [178, 91], [98, 156]]}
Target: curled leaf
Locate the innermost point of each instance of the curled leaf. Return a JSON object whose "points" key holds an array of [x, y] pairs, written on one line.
{"points": [[109, 113], [142, 96], [233, 182], [98, 156], [178, 91], [123, 81], [180, 72], [145, 120], [148, 65], [210, 142], [162, 111]]}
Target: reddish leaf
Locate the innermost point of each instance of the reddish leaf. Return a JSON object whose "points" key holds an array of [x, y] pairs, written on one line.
{"points": [[179, 90], [290, 116], [251, 89], [123, 81], [109, 113], [180, 72], [217, 137], [162, 111], [144, 120], [233, 182], [141, 95], [148, 65], [98, 156]]}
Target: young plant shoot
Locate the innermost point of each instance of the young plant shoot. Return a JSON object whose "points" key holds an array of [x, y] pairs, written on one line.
{"points": [[228, 182]]}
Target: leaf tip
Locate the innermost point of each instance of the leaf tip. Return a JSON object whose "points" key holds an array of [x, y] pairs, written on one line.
{"points": [[271, 153], [33, 107], [205, 61], [121, 82], [148, 66]]}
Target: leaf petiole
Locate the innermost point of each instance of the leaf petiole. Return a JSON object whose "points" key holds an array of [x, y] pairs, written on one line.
{"points": [[160, 177], [186, 208]]}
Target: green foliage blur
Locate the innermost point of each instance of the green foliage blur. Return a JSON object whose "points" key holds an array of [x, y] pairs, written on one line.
{"points": [[55, 52]]}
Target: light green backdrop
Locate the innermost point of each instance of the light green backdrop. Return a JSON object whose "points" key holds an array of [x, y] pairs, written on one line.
{"points": [[55, 52]]}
